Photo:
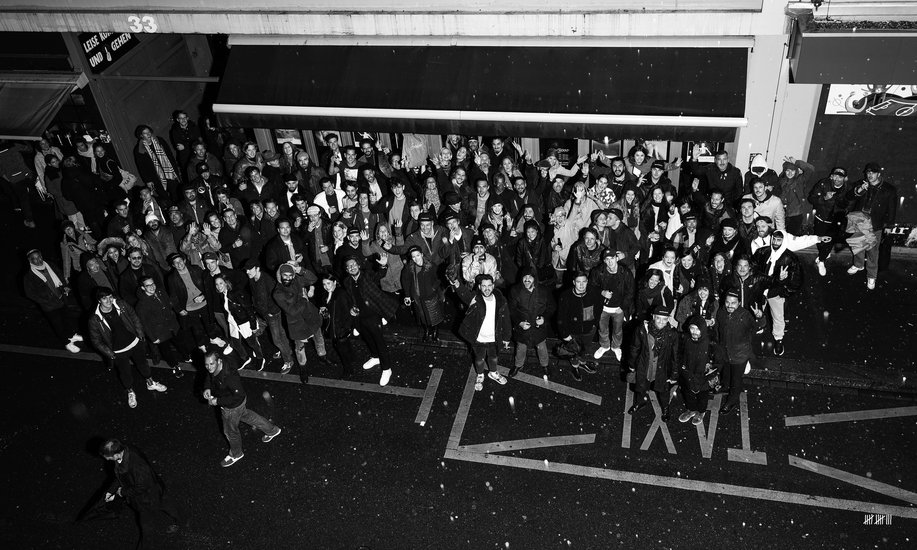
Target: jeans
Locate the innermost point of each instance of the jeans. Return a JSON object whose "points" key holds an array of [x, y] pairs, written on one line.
{"points": [[484, 354], [171, 351], [279, 336], [617, 319], [541, 349], [122, 363], [870, 257], [319, 340], [231, 419], [826, 229], [371, 330], [194, 324], [794, 224]]}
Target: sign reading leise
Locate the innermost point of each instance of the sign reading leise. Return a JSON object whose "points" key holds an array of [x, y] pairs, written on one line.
{"points": [[104, 48]]}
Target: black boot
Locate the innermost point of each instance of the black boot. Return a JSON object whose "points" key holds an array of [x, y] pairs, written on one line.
{"points": [[434, 334], [514, 371], [637, 406], [574, 370], [304, 373]]}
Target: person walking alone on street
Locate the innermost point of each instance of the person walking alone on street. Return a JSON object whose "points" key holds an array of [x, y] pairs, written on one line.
{"points": [[223, 388]]}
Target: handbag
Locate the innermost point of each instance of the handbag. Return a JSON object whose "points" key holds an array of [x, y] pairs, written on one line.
{"points": [[128, 180], [567, 349]]}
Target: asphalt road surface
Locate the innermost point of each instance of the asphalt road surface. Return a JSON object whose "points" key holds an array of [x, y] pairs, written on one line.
{"points": [[432, 463]]}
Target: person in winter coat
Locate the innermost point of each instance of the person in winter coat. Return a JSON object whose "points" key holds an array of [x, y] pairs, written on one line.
{"points": [[391, 244], [533, 251], [336, 309], [117, 334], [530, 307], [879, 200], [184, 133], [87, 191], [578, 308], [585, 255], [487, 321], [700, 302], [616, 284], [653, 294], [696, 361], [292, 293], [138, 267], [797, 181], [188, 293], [722, 175], [93, 275], [74, 245], [728, 242], [718, 272], [768, 205], [371, 306], [141, 488], [156, 164], [783, 279], [746, 283], [759, 170], [653, 358], [423, 292], [236, 304], [734, 328], [829, 199], [430, 238], [160, 326], [44, 286]]}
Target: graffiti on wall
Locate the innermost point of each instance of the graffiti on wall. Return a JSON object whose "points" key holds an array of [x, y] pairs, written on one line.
{"points": [[872, 99]]}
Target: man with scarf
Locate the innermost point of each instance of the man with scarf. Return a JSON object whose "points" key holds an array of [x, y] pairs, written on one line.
{"points": [[370, 308], [303, 321], [44, 286], [877, 199], [728, 242], [156, 164], [653, 358], [735, 327], [117, 334], [783, 278]]}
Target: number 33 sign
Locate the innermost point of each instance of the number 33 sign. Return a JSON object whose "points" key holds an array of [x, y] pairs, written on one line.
{"points": [[145, 23]]}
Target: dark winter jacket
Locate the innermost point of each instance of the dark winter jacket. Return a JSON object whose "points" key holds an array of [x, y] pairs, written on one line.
{"points": [[773, 284], [696, 355], [827, 209], [303, 319], [528, 306], [729, 181], [621, 285], [226, 385], [880, 200], [156, 315], [39, 292], [139, 484], [100, 332], [638, 358], [734, 333], [578, 313], [477, 310], [340, 321]]}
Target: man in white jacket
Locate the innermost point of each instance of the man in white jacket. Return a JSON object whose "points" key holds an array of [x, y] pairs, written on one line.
{"points": [[767, 205], [765, 228]]}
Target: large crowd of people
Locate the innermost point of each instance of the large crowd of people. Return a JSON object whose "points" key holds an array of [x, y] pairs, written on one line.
{"points": [[218, 248]]}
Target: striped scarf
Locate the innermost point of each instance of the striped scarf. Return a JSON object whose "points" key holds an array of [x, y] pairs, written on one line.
{"points": [[162, 163]]}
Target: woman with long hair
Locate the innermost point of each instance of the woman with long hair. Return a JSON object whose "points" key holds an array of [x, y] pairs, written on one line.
{"points": [[74, 244], [240, 318], [653, 293], [391, 244], [288, 153], [422, 293]]}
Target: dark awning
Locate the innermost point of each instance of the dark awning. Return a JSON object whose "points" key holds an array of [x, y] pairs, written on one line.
{"points": [[30, 101], [655, 93], [854, 58]]}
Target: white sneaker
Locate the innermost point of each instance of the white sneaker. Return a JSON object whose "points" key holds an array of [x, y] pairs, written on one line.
{"points": [[372, 362], [72, 348], [600, 352], [218, 341], [497, 377], [246, 363], [386, 376], [356, 332], [384, 322], [76, 338], [853, 270], [871, 283], [617, 352], [131, 399], [479, 383], [821, 267], [153, 385]]}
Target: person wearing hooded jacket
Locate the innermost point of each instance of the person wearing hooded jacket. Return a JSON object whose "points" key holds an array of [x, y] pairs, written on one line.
{"points": [[696, 360], [783, 279], [759, 170], [117, 334], [292, 293]]}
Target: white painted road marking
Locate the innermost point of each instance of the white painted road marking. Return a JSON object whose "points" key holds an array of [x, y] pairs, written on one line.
{"points": [[853, 479], [852, 416]]}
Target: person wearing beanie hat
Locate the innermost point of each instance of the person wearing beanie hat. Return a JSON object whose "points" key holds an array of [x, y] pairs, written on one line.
{"points": [[652, 358], [616, 284], [531, 306], [295, 285], [735, 327], [430, 238], [879, 199], [479, 262], [796, 182], [783, 278], [829, 201], [690, 239], [728, 242]]}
